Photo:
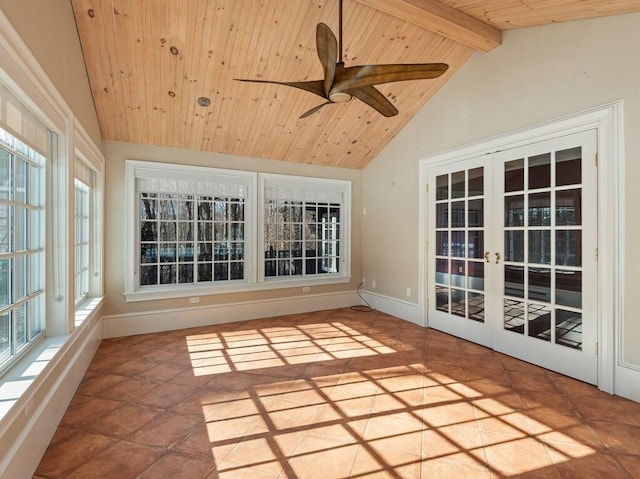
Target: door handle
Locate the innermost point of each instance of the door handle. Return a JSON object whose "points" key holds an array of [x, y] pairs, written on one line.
{"points": [[497, 257], [486, 256]]}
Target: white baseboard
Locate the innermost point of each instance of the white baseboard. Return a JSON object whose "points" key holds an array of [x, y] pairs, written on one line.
{"points": [[627, 383], [166, 320], [393, 306], [27, 428]]}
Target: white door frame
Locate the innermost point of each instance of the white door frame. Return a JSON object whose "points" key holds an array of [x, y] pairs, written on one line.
{"points": [[608, 121]]}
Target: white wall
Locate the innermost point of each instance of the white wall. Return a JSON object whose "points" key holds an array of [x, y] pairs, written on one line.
{"points": [[538, 74], [49, 31]]}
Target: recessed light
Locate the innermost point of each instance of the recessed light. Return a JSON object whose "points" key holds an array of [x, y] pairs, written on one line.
{"points": [[204, 101]]}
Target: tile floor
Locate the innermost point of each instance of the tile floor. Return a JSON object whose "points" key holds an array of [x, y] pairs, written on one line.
{"points": [[333, 394]]}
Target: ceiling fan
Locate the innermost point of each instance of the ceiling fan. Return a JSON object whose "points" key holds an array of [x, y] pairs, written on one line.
{"points": [[341, 83]]}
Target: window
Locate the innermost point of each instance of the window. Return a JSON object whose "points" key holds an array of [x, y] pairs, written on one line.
{"points": [[81, 243], [22, 261], [302, 227], [191, 225], [201, 229], [87, 227]]}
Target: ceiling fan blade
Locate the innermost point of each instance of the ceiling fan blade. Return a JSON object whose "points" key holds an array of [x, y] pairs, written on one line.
{"points": [[375, 99], [315, 86], [365, 75], [314, 109], [327, 47]]}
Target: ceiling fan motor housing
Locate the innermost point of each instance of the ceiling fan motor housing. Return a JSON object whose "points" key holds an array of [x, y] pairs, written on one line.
{"points": [[339, 97]]}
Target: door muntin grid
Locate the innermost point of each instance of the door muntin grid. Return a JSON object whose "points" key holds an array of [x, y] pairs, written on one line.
{"points": [[459, 250], [543, 247]]}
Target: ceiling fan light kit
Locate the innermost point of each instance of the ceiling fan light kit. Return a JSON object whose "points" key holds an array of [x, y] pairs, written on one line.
{"points": [[341, 84]]}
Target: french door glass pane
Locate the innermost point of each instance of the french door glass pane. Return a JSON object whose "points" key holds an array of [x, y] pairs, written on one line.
{"points": [[458, 184], [569, 167], [569, 328], [442, 243], [514, 281], [569, 288], [442, 298], [569, 247], [476, 213], [476, 275], [540, 171], [568, 207], [539, 209], [442, 271], [539, 280], [514, 246], [514, 315], [442, 215], [458, 303], [514, 211], [476, 182], [476, 244], [539, 317], [476, 306], [442, 187], [458, 277], [458, 245], [458, 214], [539, 246], [514, 175]]}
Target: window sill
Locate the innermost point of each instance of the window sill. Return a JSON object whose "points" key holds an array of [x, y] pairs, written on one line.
{"points": [[86, 308], [191, 290], [19, 382]]}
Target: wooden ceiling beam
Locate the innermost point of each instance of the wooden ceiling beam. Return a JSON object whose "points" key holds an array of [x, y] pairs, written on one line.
{"points": [[442, 19]]}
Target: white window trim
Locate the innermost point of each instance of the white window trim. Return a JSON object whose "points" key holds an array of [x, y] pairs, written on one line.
{"points": [[254, 224]]}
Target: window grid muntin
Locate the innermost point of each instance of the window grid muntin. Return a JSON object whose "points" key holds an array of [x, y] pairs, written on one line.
{"points": [[301, 238], [194, 239], [22, 213]]}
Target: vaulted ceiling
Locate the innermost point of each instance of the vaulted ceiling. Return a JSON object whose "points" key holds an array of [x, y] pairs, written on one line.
{"points": [[149, 61]]}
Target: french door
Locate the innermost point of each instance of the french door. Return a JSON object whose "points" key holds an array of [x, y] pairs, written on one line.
{"points": [[512, 261]]}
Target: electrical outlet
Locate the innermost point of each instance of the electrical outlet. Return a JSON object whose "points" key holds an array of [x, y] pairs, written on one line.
{"points": [[364, 282], [306, 289], [373, 284], [194, 300], [408, 292]]}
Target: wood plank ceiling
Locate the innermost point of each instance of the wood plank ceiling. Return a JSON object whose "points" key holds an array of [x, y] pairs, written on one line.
{"points": [[149, 61]]}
